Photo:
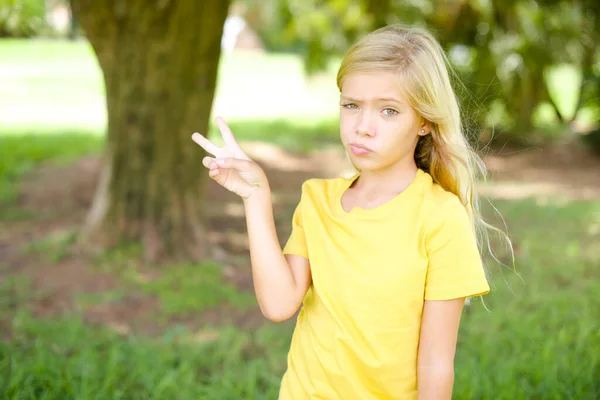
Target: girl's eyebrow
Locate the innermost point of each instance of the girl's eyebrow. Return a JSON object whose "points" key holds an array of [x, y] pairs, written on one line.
{"points": [[392, 99], [347, 98], [381, 99]]}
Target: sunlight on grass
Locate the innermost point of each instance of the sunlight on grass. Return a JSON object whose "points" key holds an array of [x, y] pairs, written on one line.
{"points": [[60, 84]]}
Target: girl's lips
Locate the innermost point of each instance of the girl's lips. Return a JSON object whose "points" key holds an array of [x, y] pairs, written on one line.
{"points": [[359, 150]]}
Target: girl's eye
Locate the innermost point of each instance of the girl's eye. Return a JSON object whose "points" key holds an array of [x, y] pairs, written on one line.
{"points": [[350, 106], [390, 112]]}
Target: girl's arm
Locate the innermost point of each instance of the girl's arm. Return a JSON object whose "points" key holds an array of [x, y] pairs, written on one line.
{"points": [[437, 347], [280, 282]]}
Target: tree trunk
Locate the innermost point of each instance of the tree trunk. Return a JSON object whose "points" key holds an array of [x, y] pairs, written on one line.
{"points": [[159, 59]]}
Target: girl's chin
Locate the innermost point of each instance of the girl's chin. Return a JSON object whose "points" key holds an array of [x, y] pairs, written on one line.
{"points": [[364, 163]]}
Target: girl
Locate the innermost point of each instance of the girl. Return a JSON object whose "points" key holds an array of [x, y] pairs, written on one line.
{"points": [[381, 262]]}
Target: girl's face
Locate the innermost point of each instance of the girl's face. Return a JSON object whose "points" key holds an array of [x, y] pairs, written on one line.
{"points": [[378, 128]]}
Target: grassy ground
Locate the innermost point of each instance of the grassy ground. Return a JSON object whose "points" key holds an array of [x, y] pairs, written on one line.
{"points": [[76, 326]]}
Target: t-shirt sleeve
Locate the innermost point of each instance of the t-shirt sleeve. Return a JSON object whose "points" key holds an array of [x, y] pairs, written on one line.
{"points": [[296, 243], [455, 267]]}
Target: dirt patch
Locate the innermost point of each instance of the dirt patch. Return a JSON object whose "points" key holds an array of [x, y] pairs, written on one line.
{"points": [[58, 193], [58, 284], [568, 172], [226, 314], [135, 314], [60, 196]]}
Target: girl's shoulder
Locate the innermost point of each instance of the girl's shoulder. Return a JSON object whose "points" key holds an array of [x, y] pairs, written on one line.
{"points": [[438, 197], [443, 207], [325, 187], [323, 193]]}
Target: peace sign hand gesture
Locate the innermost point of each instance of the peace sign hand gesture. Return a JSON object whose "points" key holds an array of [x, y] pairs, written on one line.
{"points": [[231, 167]]}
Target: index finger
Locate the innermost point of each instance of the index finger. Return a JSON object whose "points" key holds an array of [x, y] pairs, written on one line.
{"points": [[205, 144], [226, 133]]}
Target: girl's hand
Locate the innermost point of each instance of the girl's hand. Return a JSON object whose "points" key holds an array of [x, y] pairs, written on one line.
{"points": [[231, 167]]}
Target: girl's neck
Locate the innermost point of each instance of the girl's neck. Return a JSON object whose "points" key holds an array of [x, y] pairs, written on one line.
{"points": [[391, 180]]}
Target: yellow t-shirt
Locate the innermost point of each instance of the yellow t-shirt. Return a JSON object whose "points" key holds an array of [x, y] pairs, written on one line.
{"points": [[357, 333]]}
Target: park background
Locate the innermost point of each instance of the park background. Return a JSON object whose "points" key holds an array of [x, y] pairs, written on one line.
{"points": [[153, 299]]}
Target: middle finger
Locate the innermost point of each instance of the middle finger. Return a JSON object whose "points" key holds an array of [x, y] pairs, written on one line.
{"points": [[226, 133]]}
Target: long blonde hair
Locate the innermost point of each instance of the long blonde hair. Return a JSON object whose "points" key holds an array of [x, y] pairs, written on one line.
{"points": [[424, 77]]}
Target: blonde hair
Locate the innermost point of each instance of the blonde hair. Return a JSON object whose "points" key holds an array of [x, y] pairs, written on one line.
{"points": [[423, 70]]}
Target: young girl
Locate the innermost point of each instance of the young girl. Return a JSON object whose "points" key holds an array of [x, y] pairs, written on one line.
{"points": [[381, 262]]}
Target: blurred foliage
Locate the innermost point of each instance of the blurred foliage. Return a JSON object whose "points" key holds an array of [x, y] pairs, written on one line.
{"points": [[22, 18], [507, 53], [503, 51]]}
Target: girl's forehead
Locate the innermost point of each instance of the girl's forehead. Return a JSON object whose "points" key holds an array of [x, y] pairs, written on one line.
{"points": [[373, 86], [373, 79]]}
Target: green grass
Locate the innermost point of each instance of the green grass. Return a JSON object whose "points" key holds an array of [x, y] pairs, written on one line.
{"points": [[53, 248], [64, 359], [539, 340], [185, 289], [542, 336], [20, 152], [181, 289]]}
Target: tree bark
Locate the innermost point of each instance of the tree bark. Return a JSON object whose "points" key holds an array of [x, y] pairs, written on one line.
{"points": [[159, 59]]}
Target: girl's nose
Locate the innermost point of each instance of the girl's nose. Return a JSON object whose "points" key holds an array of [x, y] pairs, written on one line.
{"points": [[364, 127]]}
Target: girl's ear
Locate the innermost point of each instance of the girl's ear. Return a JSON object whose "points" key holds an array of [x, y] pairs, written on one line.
{"points": [[424, 129]]}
